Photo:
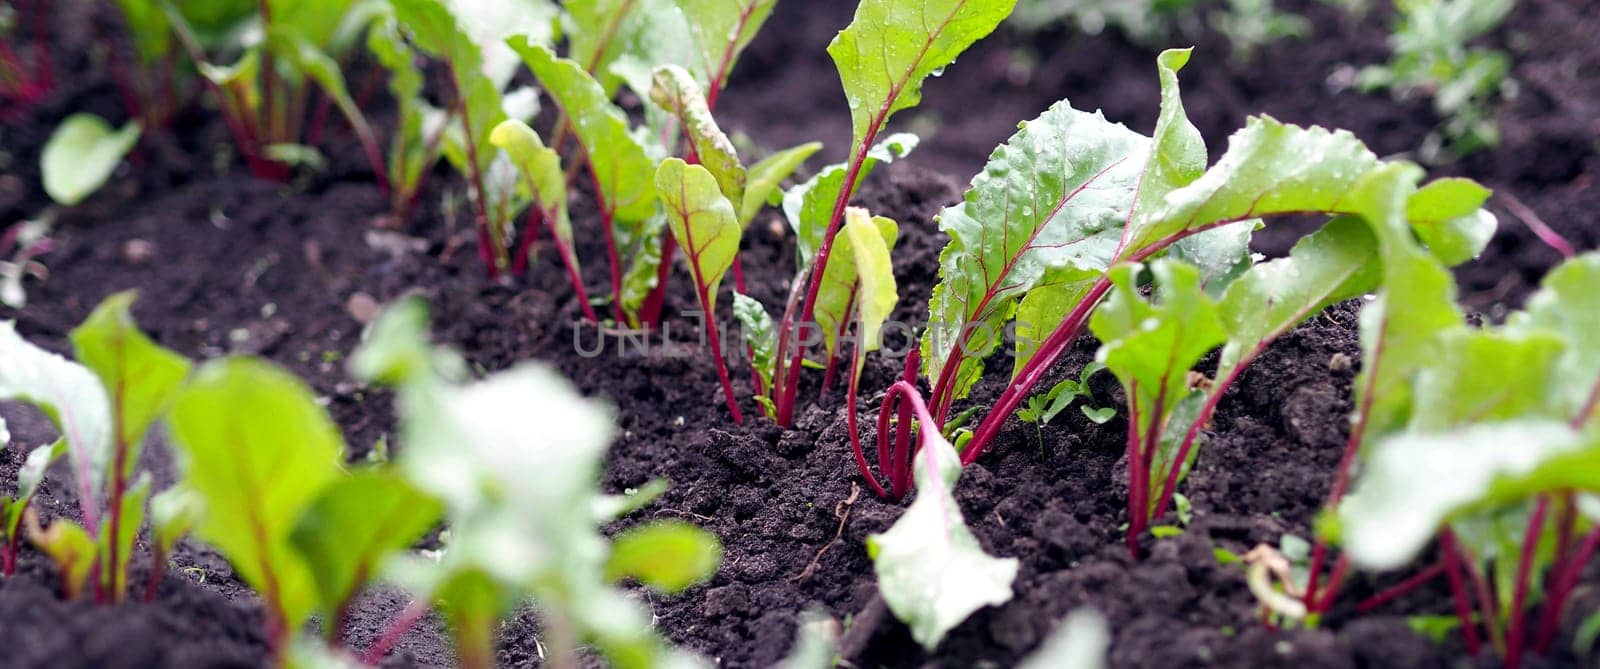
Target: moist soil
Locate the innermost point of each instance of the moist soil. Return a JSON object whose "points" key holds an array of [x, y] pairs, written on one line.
{"points": [[226, 264]]}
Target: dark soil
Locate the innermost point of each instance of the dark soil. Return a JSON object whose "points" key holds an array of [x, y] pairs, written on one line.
{"points": [[241, 266]]}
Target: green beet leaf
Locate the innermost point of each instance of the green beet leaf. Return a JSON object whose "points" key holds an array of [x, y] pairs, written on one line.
{"points": [[809, 205], [1336, 263], [1510, 374], [540, 166], [142, 375], [931, 570], [621, 167], [1060, 223], [760, 334], [870, 238], [1079, 642], [1568, 304], [1414, 483], [722, 29], [81, 154], [702, 221], [768, 174], [70, 547], [356, 523], [841, 290], [668, 556], [891, 46], [173, 513], [1151, 346], [259, 451], [675, 90], [71, 395], [29, 476]]}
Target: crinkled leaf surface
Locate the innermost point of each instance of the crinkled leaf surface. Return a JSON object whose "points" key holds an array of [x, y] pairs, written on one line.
{"points": [[891, 46], [702, 221], [676, 91], [259, 450], [81, 154], [759, 333], [1051, 201], [1413, 483], [931, 570]]}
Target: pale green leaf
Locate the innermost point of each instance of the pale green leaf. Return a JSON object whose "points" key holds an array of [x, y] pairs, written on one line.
{"points": [[877, 294], [143, 375], [1079, 642], [766, 175], [541, 169], [891, 46], [70, 548], [173, 513], [809, 206], [1568, 304], [622, 170], [1414, 483], [931, 570], [259, 450], [669, 556], [1483, 376], [722, 29], [29, 476], [81, 154], [676, 91], [703, 222], [1448, 217], [356, 523], [835, 306], [70, 394]]}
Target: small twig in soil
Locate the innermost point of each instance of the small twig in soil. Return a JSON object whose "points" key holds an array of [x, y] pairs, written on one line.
{"points": [[841, 511]]}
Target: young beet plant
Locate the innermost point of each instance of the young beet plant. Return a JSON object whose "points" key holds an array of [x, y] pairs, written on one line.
{"points": [[1072, 206], [25, 79], [282, 53], [1489, 443], [524, 509], [883, 57], [102, 405]]}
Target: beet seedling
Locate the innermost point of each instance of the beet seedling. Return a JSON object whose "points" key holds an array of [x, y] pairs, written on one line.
{"points": [[103, 405], [523, 507], [1036, 244], [1507, 475], [883, 57]]}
